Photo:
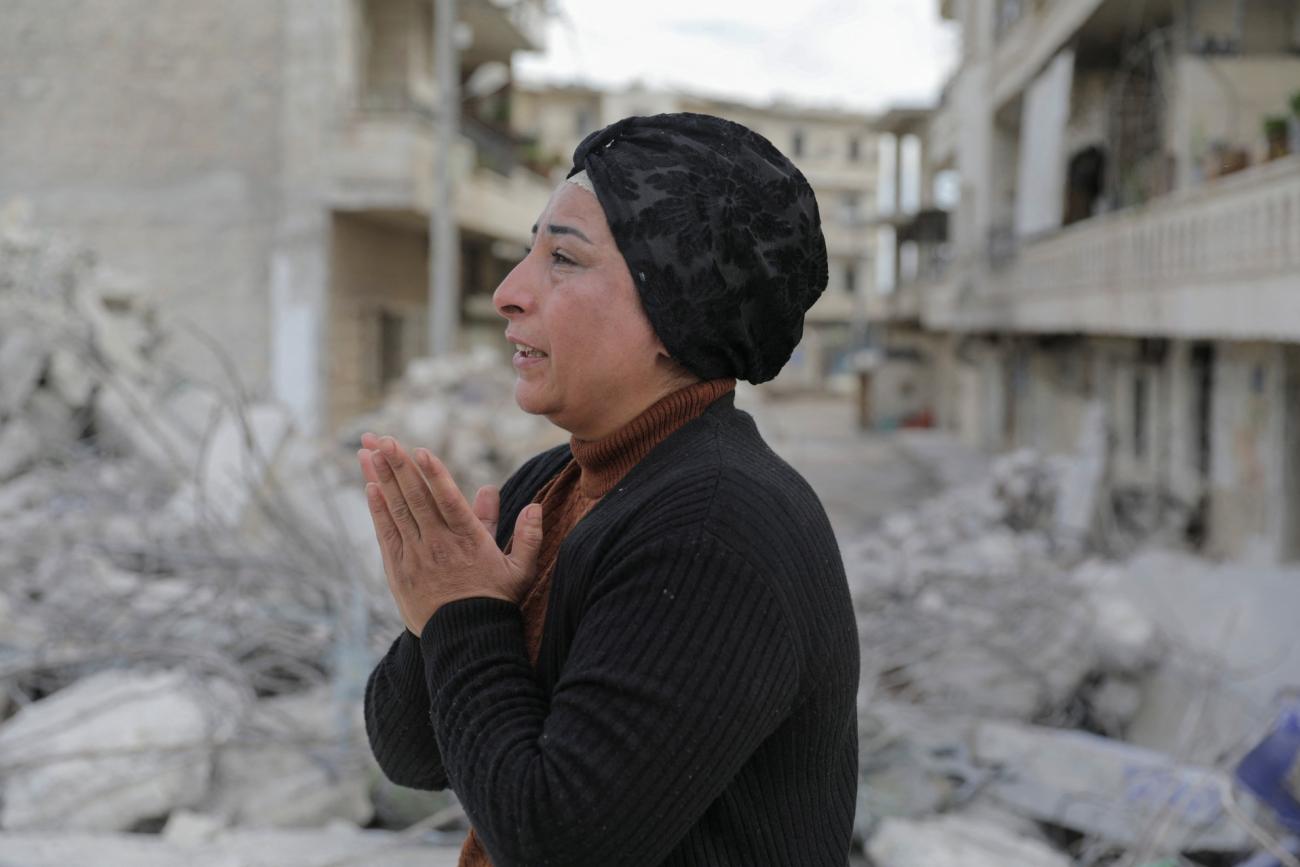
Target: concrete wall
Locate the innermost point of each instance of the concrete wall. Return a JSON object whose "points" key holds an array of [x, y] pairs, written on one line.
{"points": [[376, 268], [1016, 394], [155, 139], [1248, 482]]}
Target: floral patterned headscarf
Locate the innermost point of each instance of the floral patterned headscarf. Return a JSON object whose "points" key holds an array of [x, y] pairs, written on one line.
{"points": [[721, 233]]}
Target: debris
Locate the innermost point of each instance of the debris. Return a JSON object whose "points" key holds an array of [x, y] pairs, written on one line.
{"points": [[20, 446], [954, 841], [1106, 788], [111, 750], [152, 522], [288, 766], [21, 358], [330, 847], [967, 604], [1236, 646]]}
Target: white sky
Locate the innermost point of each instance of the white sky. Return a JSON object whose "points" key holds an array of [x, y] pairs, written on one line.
{"points": [[858, 54]]}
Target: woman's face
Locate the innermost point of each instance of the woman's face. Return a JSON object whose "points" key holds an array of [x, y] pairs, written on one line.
{"points": [[572, 300]]}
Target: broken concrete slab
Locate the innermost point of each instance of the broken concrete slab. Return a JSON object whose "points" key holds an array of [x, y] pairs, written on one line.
{"points": [[22, 358], [111, 750], [70, 378], [1235, 647], [292, 766], [1106, 788], [235, 463], [236, 848], [956, 841], [20, 446]]}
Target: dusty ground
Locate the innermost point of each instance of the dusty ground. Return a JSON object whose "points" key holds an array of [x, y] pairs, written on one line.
{"points": [[861, 476]]}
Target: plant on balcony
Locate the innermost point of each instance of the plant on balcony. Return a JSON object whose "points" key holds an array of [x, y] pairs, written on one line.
{"points": [[1277, 133], [1295, 103]]}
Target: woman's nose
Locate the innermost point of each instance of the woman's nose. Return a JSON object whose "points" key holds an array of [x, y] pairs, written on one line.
{"points": [[512, 297]]}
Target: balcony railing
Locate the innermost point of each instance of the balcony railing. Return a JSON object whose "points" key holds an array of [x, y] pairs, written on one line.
{"points": [[1218, 261], [494, 149], [1239, 227]]}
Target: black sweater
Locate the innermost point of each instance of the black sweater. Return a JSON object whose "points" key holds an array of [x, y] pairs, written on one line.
{"points": [[694, 698]]}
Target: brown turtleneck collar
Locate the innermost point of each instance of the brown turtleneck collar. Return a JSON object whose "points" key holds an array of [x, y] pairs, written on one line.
{"points": [[606, 460]]}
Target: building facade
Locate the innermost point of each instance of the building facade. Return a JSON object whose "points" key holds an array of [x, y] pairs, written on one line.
{"points": [[836, 151], [267, 169], [1123, 263]]}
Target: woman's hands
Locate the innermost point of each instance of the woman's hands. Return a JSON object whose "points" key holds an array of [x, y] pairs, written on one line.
{"points": [[436, 547]]}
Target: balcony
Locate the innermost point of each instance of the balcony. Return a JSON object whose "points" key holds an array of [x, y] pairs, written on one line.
{"points": [[384, 162], [502, 27], [1027, 43], [1220, 262]]}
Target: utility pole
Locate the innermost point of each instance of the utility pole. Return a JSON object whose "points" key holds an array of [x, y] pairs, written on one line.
{"points": [[444, 243]]}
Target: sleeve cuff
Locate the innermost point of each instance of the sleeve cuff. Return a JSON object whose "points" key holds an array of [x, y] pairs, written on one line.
{"points": [[404, 664], [469, 630]]}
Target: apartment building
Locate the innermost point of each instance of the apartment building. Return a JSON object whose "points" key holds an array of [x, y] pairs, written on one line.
{"points": [[1123, 265], [267, 170], [836, 151]]}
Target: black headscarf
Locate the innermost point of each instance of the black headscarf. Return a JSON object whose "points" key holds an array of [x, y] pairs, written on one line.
{"points": [[721, 233]]}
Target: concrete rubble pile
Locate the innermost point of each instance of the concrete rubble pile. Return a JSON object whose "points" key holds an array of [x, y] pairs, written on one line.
{"points": [[190, 590], [1005, 673]]}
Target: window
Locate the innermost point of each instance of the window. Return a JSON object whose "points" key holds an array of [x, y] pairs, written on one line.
{"points": [[855, 149], [796, 144], [850, 278]]}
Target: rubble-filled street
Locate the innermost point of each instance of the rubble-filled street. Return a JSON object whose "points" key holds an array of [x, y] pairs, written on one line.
{"points": [[190, 600]]}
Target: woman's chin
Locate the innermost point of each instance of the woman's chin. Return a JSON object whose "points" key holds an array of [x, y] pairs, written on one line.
{"points": [[529, 399]]}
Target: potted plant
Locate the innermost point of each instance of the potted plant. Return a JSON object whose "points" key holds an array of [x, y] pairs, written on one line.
{"points": [[1277, 132]]}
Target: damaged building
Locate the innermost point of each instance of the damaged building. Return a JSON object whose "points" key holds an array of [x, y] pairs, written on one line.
{"points": [[1121, 267], [272, 165]]}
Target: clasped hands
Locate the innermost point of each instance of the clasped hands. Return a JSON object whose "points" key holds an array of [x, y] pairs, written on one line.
{"points": [[437, 548]]}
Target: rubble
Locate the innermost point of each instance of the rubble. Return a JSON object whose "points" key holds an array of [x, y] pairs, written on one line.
{"points": [[969, 604], [333, 846], [179, 551], [112, 750], [1006, 667], [1106, 788], [291, 766], [953, 841]]}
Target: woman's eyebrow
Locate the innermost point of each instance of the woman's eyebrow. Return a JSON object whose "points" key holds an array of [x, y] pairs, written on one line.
{"points": [[564, 230]]}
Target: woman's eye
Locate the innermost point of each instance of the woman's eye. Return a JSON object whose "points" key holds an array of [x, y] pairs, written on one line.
{"points": [[561, 259]]}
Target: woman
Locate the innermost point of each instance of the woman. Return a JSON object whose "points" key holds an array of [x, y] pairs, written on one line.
{"points": [[642, 651]]}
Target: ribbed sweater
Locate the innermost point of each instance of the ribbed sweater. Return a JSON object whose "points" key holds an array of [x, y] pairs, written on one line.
{"points": [[597, 466], [692, 700]]}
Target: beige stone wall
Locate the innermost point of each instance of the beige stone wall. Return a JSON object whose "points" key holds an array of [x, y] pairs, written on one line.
{"points": [[375, 268], [154, 139]]}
